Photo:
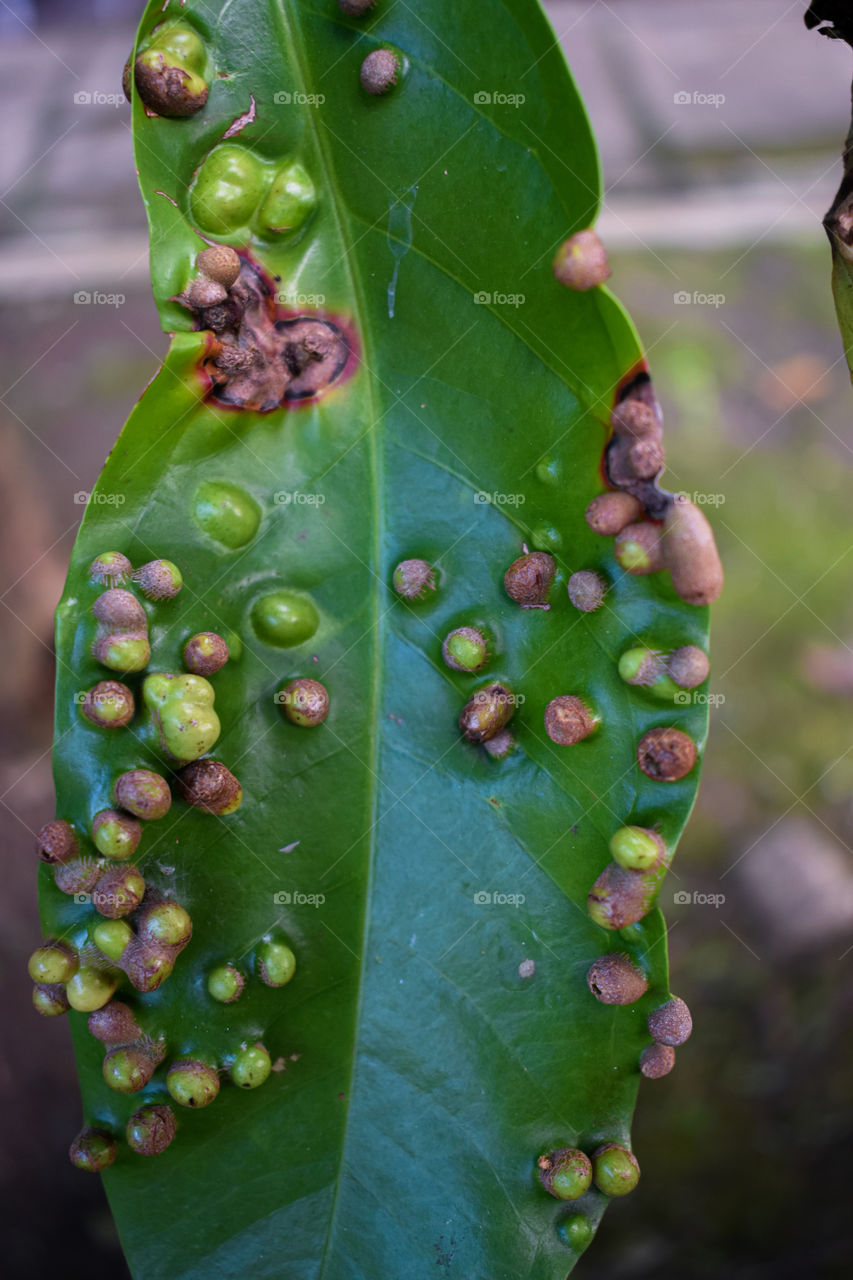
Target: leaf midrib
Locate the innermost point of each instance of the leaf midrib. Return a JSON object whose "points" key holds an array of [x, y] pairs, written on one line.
{"points": [[292, 37]]}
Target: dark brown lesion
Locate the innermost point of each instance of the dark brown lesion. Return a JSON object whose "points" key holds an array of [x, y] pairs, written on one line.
{"points": [[634, 458], [257, 361]]}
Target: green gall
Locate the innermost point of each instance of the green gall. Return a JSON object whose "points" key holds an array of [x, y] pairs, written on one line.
{"points": [[159, 579], [610, 513], [565, 1173], [90, 988], [120, 611], [208, 785], [379, 72], [666, 755], [226, 513], [581, 263], [108, 705], [586, 590], [114, 1024], [56, 842], [143, 793], [220, 263], [93, 1150], [546, 537], [150, 1130], [487, 712], [112, 937], [465, 649], [53, 963], [225, 983], [251, 1067], [192, 1083], [110, 569], [289, 202], [205, 653], [147, 965], [688, 666], [276, 963], [182, 43], [635, 848], [614, 1170], [50, 999], [614, 979], [182, 712], [227, 190], [118, 892], [128, 1068], [121, 652], [284, 619], [576, 1232], [114, 834], [568, 720], [641, 666], [671, 1023], [80, 875], [305, 702], [549, 471], [166, 924], [657, 1060], [412, 578], [638, 548], [528, 579]]}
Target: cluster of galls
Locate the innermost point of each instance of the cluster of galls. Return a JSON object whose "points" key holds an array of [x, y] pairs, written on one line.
{"points": [[136, 934], [132, 1058], [86, 978], [254, 360], [567, 1173], [677, 537]]}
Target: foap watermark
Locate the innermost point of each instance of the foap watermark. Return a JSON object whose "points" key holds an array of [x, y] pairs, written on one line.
{"points": [[683, 298], [489, 898], [95, 98], [482, 498], [496, 98], [697, 98], [296, 498], [695, 898], [83, 498], [301, 299], [701, 499], [295, 98], [689, 697], [296, 898], [87, 298], [82, 899], [486, 299]]}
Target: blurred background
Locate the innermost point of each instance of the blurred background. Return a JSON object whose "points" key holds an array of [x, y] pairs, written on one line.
{"points": [[720, 127]]}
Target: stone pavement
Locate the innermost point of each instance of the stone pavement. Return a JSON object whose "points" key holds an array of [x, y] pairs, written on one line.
{"points": [[717, 123]]}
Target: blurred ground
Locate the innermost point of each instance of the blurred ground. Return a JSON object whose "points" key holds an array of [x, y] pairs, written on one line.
{"points": [[720, 127]]}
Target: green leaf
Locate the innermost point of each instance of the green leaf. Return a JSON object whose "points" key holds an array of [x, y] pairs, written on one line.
{"points": [[419, 1075]]}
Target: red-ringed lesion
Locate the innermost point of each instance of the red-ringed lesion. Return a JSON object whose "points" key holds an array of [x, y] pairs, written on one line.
{"points": [[256, 358]]}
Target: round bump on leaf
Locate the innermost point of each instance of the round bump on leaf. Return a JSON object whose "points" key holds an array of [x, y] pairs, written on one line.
{"points": [[666, 754], [671, 1023]]}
